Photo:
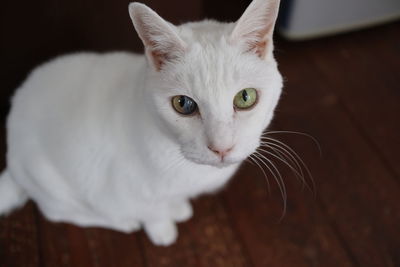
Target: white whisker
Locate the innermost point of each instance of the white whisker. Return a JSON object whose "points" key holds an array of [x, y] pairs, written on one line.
{"points": [[294, 170], [277, 177], [285, 153], [315, 140], [283, 160], [295, 155], [262, 170]]}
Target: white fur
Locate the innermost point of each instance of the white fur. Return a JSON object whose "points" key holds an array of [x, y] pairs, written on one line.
{"points": [[93, 139]]}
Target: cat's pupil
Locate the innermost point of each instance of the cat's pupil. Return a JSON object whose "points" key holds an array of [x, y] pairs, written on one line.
{"points": [[182, 101], [245, 95]]}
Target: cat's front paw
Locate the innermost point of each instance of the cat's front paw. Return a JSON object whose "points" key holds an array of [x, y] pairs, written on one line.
{"points": [[162, 233], [181, 211]]}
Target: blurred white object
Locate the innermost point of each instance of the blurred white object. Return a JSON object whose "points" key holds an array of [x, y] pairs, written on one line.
{"points": [[302, 19]]}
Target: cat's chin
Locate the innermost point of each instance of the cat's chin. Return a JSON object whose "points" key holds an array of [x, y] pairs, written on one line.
{"points": [[216, 163]]}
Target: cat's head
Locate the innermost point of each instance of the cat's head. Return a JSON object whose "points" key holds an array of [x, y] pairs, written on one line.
{"points": [[214, 85]]}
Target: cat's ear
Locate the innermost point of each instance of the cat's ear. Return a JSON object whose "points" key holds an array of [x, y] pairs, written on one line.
{"points": [[255, 28], [159, 37]]}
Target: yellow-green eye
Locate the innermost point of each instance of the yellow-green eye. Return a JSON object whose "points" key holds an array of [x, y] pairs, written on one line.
{"points": [[184, 104], [245, 99]]}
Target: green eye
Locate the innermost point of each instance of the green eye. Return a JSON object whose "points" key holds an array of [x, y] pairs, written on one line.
{"points": [[184, 104], [245, 99]]}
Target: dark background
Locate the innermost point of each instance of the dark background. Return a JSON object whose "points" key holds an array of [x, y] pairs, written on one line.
{"points": [[344, 90]]}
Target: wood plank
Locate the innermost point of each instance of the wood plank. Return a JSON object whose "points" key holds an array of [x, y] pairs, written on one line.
{"points": [[114, 249], [206, 240], [54, 243], [359, 193], [19, 239], [78, 246], [216, 242], [366, 78], [302, 238], [69, 245]]}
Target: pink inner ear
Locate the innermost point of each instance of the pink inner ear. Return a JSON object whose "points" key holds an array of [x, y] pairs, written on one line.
{"points": [[155, 55], [160, 38], [259, 48], [158, 59], [166, 48], [255, 27], [257, 42], [161, 54]]}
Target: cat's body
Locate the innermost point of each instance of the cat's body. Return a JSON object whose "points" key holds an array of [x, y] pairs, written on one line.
{"points": [[104, 171], [93, 139]]}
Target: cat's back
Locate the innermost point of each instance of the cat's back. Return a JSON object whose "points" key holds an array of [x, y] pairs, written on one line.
{"points": [[76, 74], [70, 83], [64, 96]]}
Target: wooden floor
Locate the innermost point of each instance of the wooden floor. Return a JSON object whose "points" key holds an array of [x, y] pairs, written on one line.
{"points": [[343, 90]]}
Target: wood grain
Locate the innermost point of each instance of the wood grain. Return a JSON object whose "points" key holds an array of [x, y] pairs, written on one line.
{"points": [[19, 239], [368, 87], [303, 237], [359, 193], [206, 240]]}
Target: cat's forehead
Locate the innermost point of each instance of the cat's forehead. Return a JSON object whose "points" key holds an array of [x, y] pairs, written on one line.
{"points": [[213, 67], [210, 50], [205, 32], [209, 56]]}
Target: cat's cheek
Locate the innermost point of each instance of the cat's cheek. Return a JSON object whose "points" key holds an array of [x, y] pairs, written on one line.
{"points": [[190, 136], [248, 150], [177, 124]]}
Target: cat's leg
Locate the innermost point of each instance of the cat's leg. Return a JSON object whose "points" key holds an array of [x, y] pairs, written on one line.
{"points": [[162, 233], [181, 210], [11, 194]]}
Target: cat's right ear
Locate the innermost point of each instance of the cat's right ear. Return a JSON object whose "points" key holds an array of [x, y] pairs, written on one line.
{"points": [[255, 27], [160, 38]]}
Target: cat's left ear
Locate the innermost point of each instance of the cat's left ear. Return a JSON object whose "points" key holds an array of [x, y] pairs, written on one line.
{"points": [[255, 27], [160, 38]]}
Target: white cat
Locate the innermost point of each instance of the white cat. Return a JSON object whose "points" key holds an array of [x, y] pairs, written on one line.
{"points": [[122, 141]]}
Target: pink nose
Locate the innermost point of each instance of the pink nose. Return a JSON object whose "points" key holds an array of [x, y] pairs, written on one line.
{"points": [[222, 152]]}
